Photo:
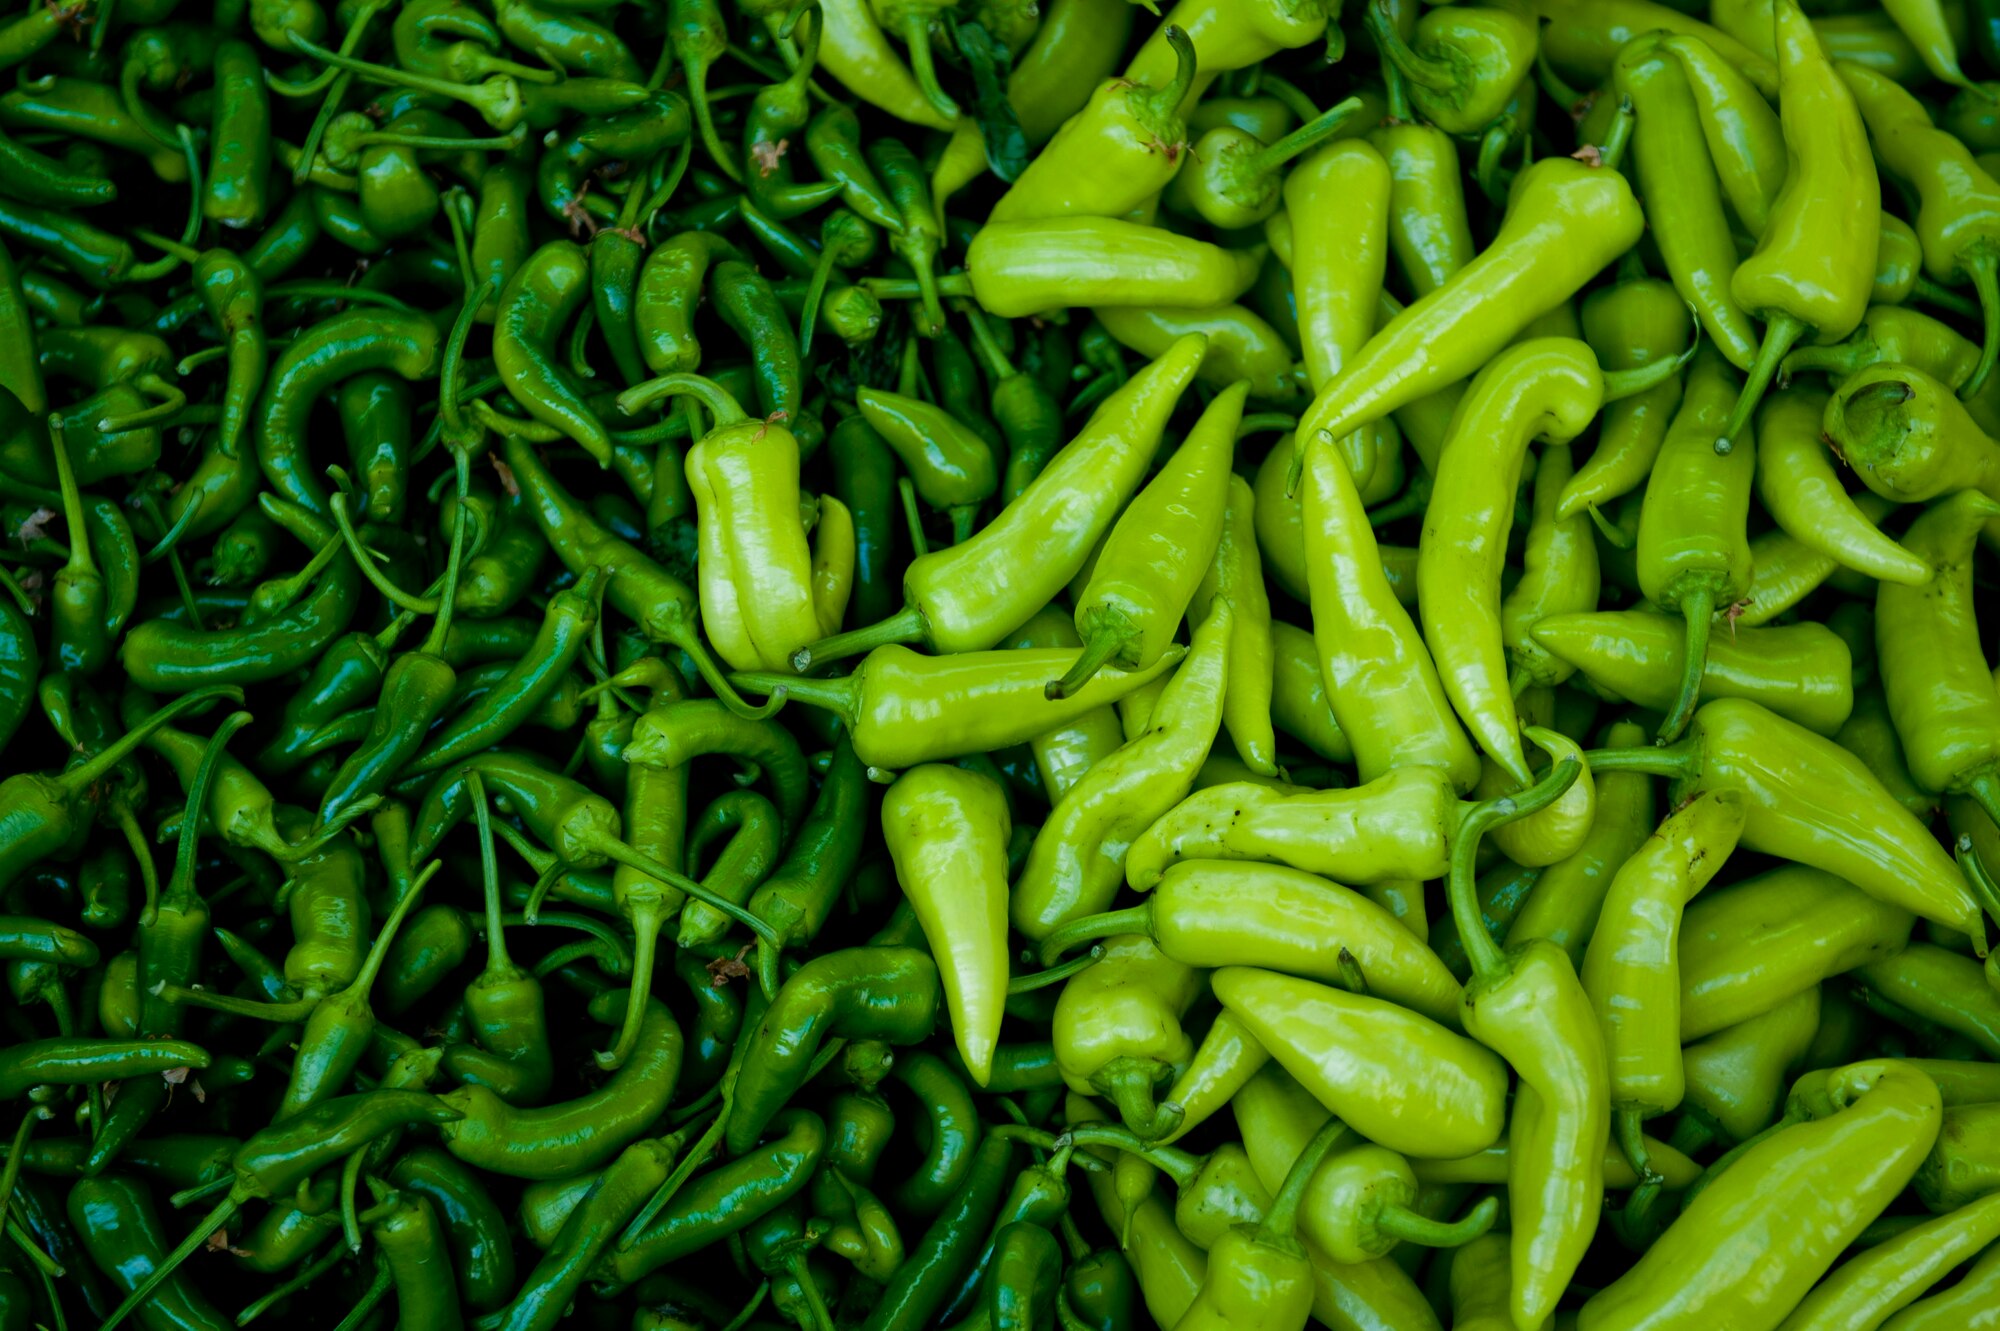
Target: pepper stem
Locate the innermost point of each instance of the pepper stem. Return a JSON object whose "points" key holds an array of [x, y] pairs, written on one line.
{"points": [[1944, 298], [87, 774], [1981, 266], [1284, 1212], [1165, 102], [80, 561], [1474, 822], [916, 34], [498, 962], [1630, 383], [456, 92], [724, 685], [1107, 924], [613, 848], [1839, 360], [1179, 1165], [1042, 979], [1306, 136], [251, 1009], [1397, 89], [1698, 609], [142, 1291], [1422, 70], [1128, 1083], [1781, 331], [646, 921], [1628, 1128], [378, 952], [815, 291], [906, 625], [1401, 1223], [1103, 643], [1984, 889], [721, 403], [1611, 152]]}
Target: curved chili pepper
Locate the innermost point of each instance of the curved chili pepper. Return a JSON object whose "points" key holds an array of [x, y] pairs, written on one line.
{"points": [[873, 993], [1042, 538]]}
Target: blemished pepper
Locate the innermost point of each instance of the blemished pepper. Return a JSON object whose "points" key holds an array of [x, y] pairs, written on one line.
{"points": [[970, 596], [1814, 265], [1866, 1125], [1074, 867], [947, 831]]}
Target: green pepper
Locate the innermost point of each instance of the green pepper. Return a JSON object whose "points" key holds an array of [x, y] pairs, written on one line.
{"points": [[1073, 867], [861, 993], [1796, 280], [1567, 221], [1461, 66], [1799, 671], [1882, 1114], [1736, 1078], [1800, 489]]}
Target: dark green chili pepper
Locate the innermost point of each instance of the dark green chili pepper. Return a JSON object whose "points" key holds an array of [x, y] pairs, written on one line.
{"points": [[750, 307], [953, 1130], [920, 238], [700, 37], [921, 1285], [375, 411], [121, 1231], [431, 946], [409, 1241], [235, 192], [720, 1201], [579, 1134], [833, 141], [482, 1250], [336, 349], [885, 993]]}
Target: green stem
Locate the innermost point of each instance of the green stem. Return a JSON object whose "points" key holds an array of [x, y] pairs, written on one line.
{"points": [[1409, 1227], [906, 625], [1278, 1221], [1098, 649], [1025, 984], [1165, 102], [1980, 266], [1306, 136], [1474, 822], [1698, 609], [1628, 1128], [1781, 331], [1107, 924], [1422, 70], [1630, 383], [253, 1009], [1284, 90]]}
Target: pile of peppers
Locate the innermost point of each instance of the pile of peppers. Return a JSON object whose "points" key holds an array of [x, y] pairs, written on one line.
{"points": [[1005, 665]]}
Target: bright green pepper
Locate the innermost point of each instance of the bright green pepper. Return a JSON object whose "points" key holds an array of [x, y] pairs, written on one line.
{"points": [[1797, 280]]}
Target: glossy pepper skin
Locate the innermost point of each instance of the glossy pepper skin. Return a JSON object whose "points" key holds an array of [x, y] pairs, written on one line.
{"points": [[1073, 868], [1934, 673], [1803, 672], [1567, 222], [1119, 151], [1380, 678], [1543, 388], [1958, 213], [1397, 1077], [1211, 913], [1861, 1129], [970, 596], [1799, 487], [1117, 1031], [947, 832], [1815, 262], [887, 993], [1631, 323], [1810, 801], [1630, 969]]}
